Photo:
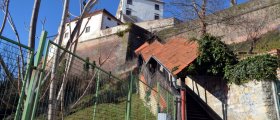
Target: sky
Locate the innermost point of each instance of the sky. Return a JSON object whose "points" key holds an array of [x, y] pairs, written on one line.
{"points": [[51, 11]]}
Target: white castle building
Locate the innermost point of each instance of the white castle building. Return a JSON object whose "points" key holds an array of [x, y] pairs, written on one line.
{"points": [[139, 10], [92, 24]]}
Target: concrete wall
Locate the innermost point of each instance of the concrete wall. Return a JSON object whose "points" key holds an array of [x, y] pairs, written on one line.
{"points": [[233, 23], [142, 10], [157, 25], [252, 101]]}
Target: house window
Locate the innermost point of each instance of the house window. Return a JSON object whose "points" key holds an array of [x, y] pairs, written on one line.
{"points": [[129, 2], [66, 35], [107, 27], [156, 16], [108, 18], [87, 29], [156, 7], [128, 12], [118, 23]]}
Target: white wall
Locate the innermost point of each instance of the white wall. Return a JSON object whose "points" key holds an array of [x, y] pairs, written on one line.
{"points": [[96, 23], [143, 9], [107, 22]]}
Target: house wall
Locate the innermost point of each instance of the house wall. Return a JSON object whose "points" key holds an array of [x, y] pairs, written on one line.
{"points": [[152, 103], [97, 24], [143, 10], [107, 22], [251, 101]]}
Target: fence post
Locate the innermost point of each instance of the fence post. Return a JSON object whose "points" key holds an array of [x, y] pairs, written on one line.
{"points": [[30, 94], [96, 94], [18, 111], [167, 107], [174, 108], [40, 81], [158, 99], [128, 104]]}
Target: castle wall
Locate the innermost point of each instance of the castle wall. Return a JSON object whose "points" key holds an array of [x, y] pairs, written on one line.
{"points": [[234, 24]]}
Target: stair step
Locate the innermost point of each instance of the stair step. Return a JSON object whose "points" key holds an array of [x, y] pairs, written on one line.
{"points": [[195, 111]]}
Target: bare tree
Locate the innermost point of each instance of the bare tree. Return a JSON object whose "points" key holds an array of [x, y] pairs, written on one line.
{"points": [[195, 9], [254, 29], [52, 105], [6, 7], [233, 2], [75, 34]]}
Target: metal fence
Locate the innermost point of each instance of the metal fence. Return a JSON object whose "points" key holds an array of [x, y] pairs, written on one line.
{"points": [[13, 66], [78, 89]]}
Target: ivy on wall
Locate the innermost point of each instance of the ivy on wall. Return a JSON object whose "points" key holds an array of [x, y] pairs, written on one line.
{"points": [[216, 59], [262, 67]]}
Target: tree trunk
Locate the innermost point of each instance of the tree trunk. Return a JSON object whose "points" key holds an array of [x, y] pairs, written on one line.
{"points": [[5, 16], [202, 17], [232, 3], [53, 86], [252, 45], [32, 33]]}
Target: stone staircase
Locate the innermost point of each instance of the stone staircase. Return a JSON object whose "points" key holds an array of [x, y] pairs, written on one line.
{"points": [[194, 110]]}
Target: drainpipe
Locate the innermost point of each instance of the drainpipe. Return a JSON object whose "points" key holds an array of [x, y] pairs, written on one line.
{"points": [[183, 103], [182, 98]]}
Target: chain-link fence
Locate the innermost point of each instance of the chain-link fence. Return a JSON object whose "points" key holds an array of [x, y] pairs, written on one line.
{"points": [[13, 65], [80, 89], [70, 87]]}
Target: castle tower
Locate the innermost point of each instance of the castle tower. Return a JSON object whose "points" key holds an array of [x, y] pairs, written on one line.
{"points": [[139, 10]]}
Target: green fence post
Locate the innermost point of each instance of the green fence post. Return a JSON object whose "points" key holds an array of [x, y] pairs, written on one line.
{"points": [[175, 108], [167, 107], [40, 81], [30, 94], [96, 94], [158, 99], [128, 104], [18, 111]]}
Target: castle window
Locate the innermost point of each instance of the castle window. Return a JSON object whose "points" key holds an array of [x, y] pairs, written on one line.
{"points": [[128, 12], [66, 35], [156, 7], [87, 29], [108, 18], [129, 2], [156, 16], [107, 27]]}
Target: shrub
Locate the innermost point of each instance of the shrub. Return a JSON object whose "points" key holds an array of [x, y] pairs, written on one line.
{"points": [[262, 67], [214, 55]]}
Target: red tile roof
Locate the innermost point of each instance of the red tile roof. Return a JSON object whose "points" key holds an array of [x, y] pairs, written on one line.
{"points": [[147, 50], [176, 53]]}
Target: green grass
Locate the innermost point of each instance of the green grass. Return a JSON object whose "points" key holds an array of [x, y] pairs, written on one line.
{"points": [[267, 42], [114, 111]]}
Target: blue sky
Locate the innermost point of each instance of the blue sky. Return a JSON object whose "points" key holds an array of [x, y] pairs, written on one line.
{"points": [[21, 11]]}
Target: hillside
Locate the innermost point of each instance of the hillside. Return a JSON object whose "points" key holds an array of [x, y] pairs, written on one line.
{"points": [[108, 112]]}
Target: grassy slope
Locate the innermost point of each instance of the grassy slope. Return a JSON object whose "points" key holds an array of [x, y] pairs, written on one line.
{"points": [[268, 41], [113, 111]]}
